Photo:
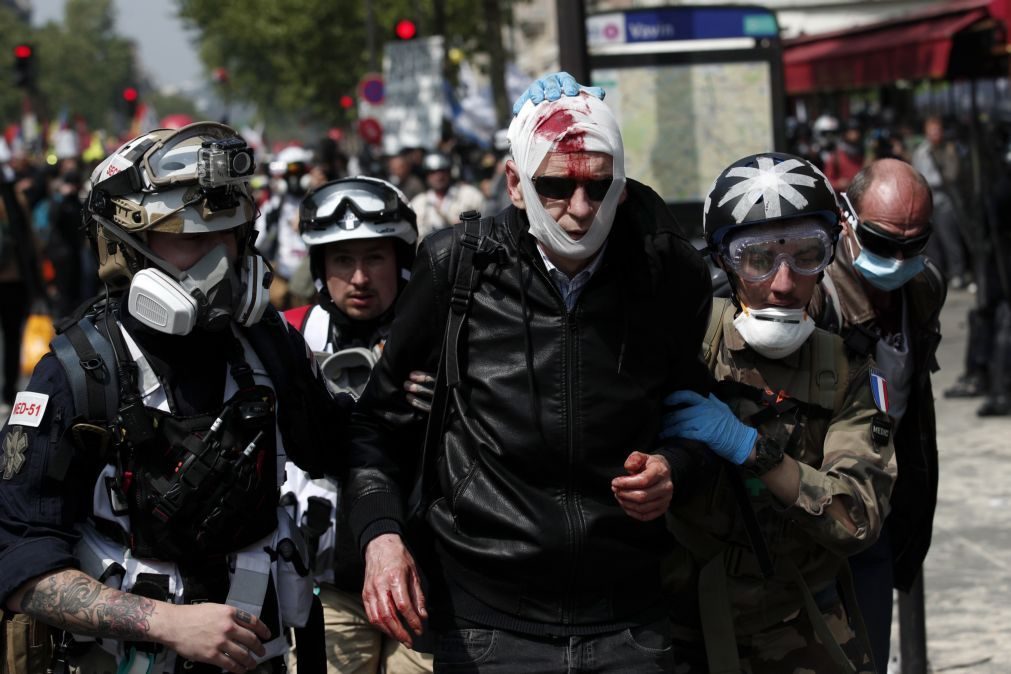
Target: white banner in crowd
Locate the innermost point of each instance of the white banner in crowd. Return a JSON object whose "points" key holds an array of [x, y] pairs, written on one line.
{"points": [[413, 109]]}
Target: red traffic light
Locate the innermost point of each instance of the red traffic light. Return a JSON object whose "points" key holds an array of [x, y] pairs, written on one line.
{"points": [[23, 51], [347, 102], [130, 94], [405, 29]]}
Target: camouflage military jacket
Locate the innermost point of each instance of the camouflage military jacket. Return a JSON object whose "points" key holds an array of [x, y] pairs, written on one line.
{"points": [[840, 457]]}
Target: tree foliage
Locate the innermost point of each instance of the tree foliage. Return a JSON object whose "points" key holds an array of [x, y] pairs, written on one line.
{"points": [[299, 57], [13, 31], [81, 64], [86, 64]]}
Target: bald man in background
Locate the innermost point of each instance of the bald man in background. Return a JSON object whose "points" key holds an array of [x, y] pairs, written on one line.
{"points": [[885, 297]]}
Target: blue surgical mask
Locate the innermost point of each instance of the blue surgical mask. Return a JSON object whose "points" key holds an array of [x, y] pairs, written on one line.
{"points": [[887, 273]]}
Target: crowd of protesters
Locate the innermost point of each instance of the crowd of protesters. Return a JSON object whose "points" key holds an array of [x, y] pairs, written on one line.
{"points": [[47, 268]]}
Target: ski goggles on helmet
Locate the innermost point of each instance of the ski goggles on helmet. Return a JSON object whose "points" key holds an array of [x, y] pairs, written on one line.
{"points": [[352, 202], [561, 187], [756, 258]]}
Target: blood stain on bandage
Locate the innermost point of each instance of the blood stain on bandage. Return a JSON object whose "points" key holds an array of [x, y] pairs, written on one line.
{"points": [[557, 129]]}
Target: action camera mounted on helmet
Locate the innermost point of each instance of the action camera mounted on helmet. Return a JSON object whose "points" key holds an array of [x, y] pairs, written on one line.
{"points": [[224, 162]]}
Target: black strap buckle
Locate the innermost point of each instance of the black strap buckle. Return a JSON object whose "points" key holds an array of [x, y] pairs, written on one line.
{"points": [[861, 340], [92, 364]]}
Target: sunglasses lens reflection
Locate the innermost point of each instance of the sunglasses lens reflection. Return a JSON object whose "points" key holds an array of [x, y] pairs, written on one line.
{"points": [[558, 187]]}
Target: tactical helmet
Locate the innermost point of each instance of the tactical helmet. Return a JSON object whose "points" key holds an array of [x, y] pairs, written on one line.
{"points": [[186, 181], [292, 159], [764, 188], [356, 208], [291, 167]]}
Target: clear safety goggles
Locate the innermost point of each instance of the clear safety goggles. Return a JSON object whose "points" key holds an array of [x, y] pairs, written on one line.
{"points": [[758, 257], [365, 200]]}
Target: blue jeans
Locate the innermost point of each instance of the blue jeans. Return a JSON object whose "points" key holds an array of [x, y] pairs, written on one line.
{"points": [[644, 648]]}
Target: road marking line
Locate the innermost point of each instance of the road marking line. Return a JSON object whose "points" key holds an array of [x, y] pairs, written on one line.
{"points": [[978, 549]]}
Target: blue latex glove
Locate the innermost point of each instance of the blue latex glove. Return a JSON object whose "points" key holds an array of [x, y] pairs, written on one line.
{"points": [[710, 421], [552, 87]]}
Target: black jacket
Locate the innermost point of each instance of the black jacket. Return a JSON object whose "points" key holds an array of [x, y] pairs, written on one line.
{"points": [[524, 524], [38, 511]]}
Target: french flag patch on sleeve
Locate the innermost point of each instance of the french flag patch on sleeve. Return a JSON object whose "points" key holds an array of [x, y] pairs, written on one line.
{"points": [[879, 391]]}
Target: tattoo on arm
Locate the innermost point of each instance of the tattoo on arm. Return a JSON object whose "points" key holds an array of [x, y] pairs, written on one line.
{"points": [[78, 603]]}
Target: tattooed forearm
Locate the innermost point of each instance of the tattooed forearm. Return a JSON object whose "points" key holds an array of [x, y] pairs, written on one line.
{"points": [[78, 603]]}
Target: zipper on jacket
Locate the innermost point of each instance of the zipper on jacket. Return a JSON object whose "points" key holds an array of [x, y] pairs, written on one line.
{"points": [[572, 516]]}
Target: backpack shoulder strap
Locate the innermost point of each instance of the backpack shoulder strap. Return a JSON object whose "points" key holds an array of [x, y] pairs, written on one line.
{"points": [[831, 318], [470, 253], [714, 331], [829, 370], [91, 366], [475, 246]]}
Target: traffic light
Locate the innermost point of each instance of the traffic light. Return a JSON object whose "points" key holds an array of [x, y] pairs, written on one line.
{"points": [[405, 29], [130, 99], [24, 66], [347, 102]]}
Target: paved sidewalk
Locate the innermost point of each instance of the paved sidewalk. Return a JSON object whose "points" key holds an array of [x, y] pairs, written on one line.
{"points": [[968, 571]]}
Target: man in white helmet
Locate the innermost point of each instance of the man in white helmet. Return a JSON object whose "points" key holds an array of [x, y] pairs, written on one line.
{"points": [[140, 468], [277, 225], [360, 233], [566, 318], [441, 204]]}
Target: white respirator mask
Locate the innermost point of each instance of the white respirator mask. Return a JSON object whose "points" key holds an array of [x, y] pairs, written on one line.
{"points": [[774, 332], [210, 294], [580, 123]]}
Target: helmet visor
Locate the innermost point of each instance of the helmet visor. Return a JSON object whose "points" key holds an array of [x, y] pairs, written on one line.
{"points": [[757, 258], [350, 203], [173, 161]]}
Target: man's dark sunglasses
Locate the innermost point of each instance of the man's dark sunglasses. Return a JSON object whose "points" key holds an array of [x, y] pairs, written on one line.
{"points": [[876, 240], [558, 187]]}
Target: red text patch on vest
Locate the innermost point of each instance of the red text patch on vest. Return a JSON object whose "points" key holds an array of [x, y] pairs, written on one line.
{"points": [[28, 409]]}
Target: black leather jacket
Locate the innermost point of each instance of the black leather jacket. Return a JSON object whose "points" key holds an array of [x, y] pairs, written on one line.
{"points": [[551, 403]]}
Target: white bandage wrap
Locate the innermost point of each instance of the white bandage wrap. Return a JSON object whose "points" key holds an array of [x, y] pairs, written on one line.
{"points": [[581, 123]]}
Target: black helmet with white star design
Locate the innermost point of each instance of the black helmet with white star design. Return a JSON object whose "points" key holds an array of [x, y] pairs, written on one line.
{"points": [[766, 187]]}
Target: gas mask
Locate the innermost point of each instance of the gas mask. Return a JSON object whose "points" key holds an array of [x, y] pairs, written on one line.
{"points": [[297, 183], [209, 295], [348, 370], [194, 181]]}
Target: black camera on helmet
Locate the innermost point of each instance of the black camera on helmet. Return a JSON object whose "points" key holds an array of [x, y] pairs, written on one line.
{"points": [[224, 162]]}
